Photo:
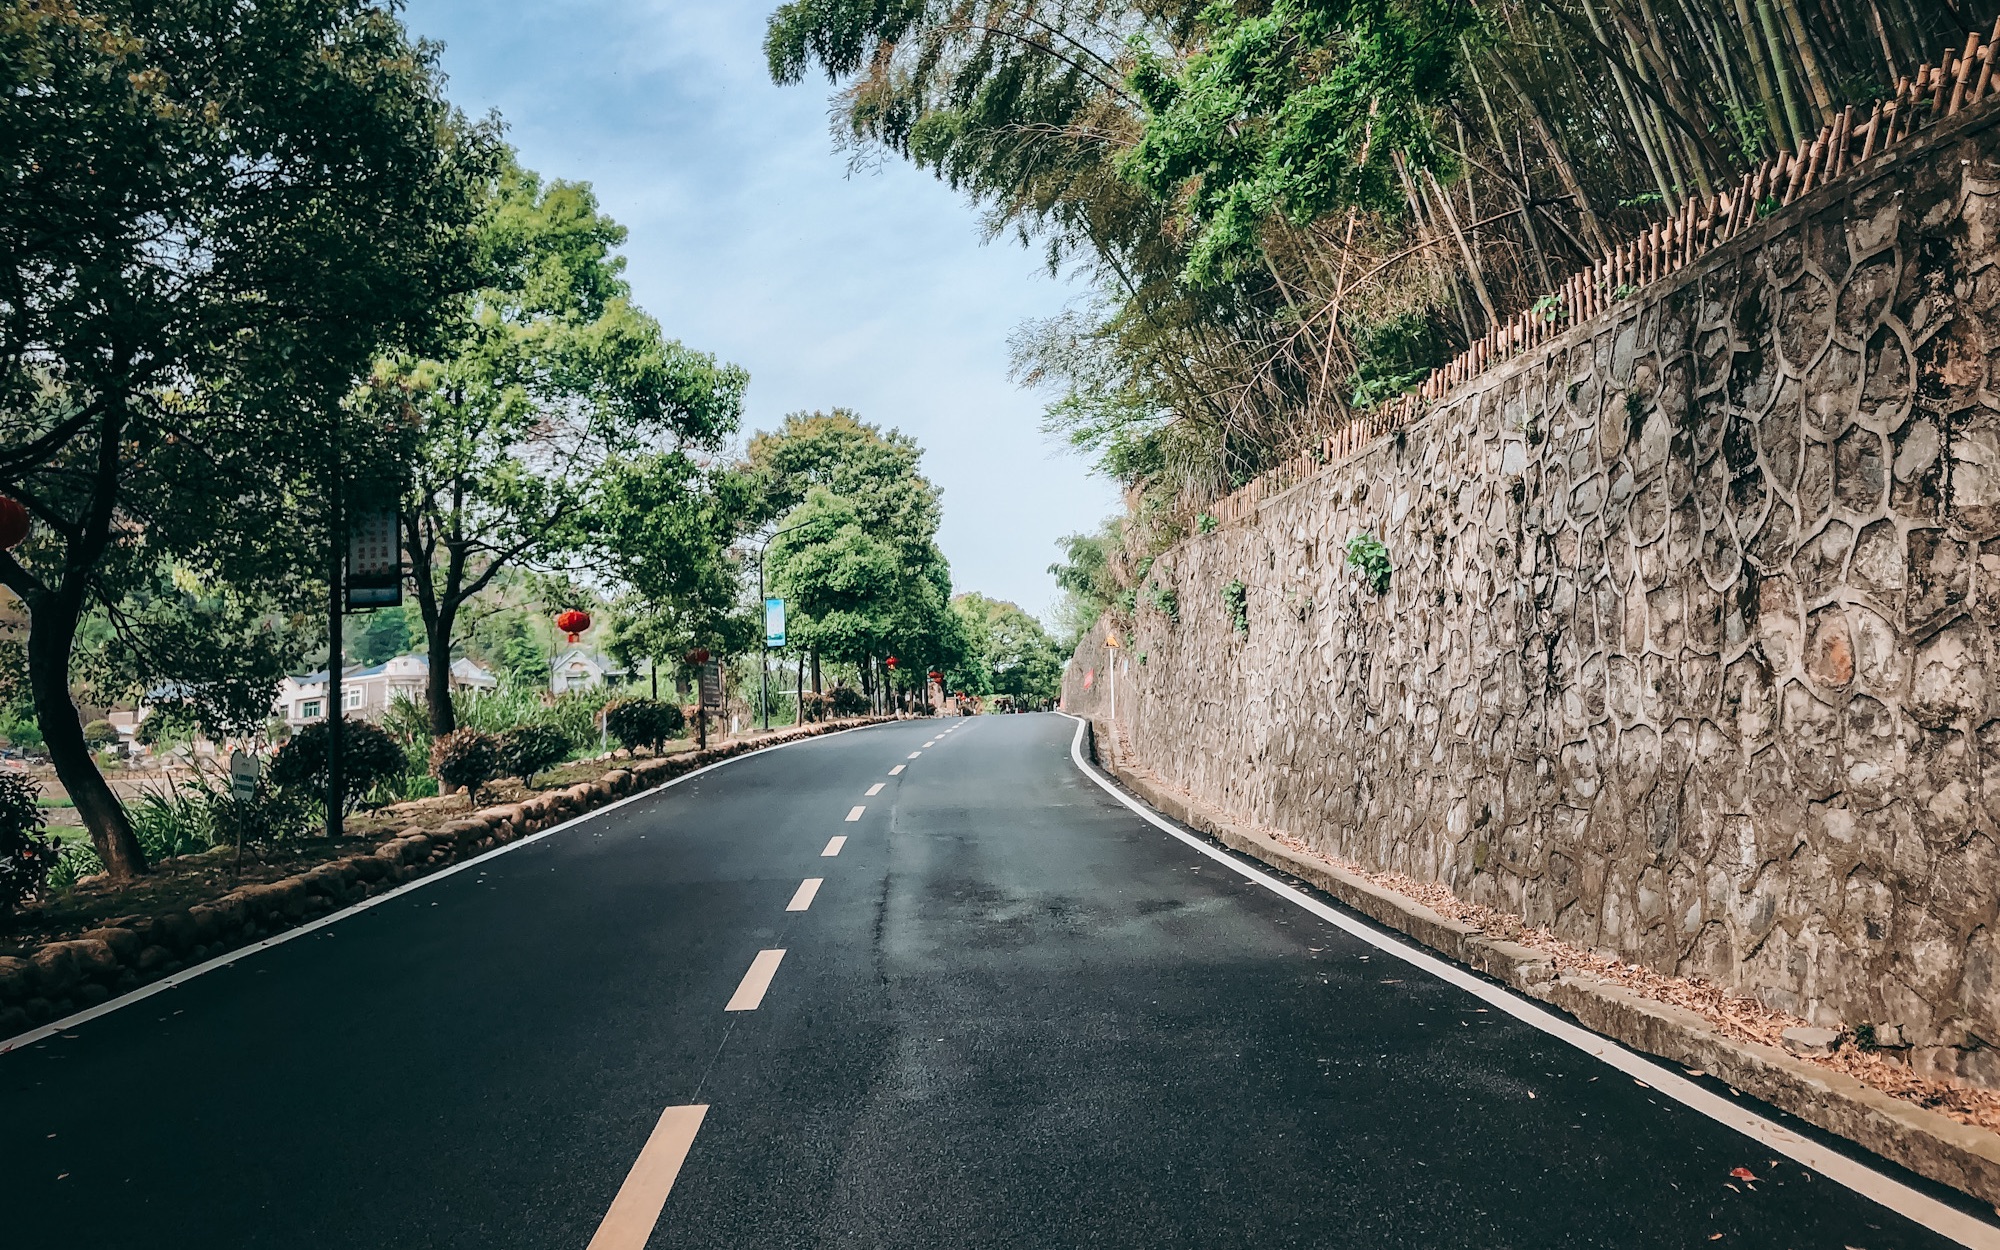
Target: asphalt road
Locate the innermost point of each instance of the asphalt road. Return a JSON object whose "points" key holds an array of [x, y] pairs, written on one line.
{"points": [[1014, 1015]]}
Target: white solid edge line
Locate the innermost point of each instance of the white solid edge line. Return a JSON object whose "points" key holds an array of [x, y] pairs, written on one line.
{"points": [[1917, 1207], [279, 939]]}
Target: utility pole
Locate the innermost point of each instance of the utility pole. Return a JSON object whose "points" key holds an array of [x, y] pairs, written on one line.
{"points": [[336, 616]]}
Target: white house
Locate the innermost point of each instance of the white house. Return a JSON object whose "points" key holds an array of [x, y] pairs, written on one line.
{"points": [[578, 669], [368, 692]]}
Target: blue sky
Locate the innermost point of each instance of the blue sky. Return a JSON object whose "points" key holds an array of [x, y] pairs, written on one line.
{"points": [[750, 239]]}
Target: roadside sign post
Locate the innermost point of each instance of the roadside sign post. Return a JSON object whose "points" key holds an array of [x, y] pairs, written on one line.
{"points": [[774, 637], [245, 771]]}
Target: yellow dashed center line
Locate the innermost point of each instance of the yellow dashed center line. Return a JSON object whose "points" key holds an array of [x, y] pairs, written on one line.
{"points": [[628, 1225], [750, 992]]}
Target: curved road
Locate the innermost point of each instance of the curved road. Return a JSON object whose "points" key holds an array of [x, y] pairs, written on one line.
{"points": [[1013, 1014]]}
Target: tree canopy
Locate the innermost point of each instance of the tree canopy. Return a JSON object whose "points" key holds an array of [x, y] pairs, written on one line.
{"points": [[557, 403], [216, 216]]}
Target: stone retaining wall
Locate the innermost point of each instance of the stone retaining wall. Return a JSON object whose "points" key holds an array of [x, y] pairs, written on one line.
{"points": [[1689, 649]]}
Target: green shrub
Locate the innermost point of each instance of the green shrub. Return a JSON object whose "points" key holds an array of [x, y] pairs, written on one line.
{"points": [[1236, 598], [74, 861], [21, 732], [813, 706], [27, 853], [847, 701], [527, 749], [1367, 555], [195, 815], [1206, 523], [643, 722], [466, 757], [574, 714], [368, 758], [100, 733], [1166, 601]]}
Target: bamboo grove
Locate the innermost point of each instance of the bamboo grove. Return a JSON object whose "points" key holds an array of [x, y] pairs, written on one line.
{"points": [[1292, 213]]}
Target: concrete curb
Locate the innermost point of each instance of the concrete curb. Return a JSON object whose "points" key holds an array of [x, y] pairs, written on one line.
{"points": [[1929, 1144], [130, 952]]}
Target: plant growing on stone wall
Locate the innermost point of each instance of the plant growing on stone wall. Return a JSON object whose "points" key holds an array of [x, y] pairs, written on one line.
{"points": [[1166, 601], [1206, 523], [1236, 597], [1367, 555]]}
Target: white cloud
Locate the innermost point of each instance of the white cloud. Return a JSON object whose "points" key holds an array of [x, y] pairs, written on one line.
{"points": [[750, 239]]}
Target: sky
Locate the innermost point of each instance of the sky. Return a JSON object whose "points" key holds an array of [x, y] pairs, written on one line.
{"points": [[751, 239]]}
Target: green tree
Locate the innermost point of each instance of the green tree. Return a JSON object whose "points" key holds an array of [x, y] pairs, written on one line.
{"points": [[379, 636], [214, 216], [1012, 653], [860, 568], [1087, 579], [663, 528], [552, 380]]}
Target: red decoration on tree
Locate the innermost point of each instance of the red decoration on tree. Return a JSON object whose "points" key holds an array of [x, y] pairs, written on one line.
{"points": [[13, 523], [892, 661], [697, 656], [573, 623], [937, 676]]}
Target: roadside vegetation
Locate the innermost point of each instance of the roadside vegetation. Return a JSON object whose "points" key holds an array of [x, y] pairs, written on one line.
{"points": [[1290, 211], [252, 312]]}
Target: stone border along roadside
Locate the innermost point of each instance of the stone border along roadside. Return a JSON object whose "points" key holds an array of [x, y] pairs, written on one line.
{"points": [[79, 974], [1933, 1146]]}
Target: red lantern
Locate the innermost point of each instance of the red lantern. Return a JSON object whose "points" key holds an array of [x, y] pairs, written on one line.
{"points": [[937, 676], [697, 657], [573, 623], [892, 661], [13, 523]]}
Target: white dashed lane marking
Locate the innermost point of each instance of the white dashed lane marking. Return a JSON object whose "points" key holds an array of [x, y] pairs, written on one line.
{"points": [[854, 813], [897, 771], [874, 790], [833, 846]]}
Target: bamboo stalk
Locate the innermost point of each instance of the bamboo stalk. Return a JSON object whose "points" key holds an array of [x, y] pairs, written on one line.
{"points": [[1964, 76], [1986, 71], [1874, 129], [1815, 155]]}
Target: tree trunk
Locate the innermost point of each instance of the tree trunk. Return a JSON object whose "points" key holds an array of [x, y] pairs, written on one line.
{"points": [[51, 633], [437, 682]]}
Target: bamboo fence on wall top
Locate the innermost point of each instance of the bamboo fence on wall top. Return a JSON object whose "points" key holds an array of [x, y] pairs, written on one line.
{"points": [[1963, 78]]}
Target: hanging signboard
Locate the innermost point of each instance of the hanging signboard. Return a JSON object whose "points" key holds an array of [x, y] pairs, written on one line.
{"points": [[374, 557], [711, 684], [774, 623]]}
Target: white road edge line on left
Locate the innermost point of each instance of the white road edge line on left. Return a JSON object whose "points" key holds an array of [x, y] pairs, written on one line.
{"points": [[279, 939], [1917, 1207]]}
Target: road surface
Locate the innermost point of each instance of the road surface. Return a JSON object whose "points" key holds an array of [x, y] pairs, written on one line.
{"points": [[1011, 1013]]}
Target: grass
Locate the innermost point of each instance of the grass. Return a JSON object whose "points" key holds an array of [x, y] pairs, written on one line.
{"points": [[47, 804]]}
